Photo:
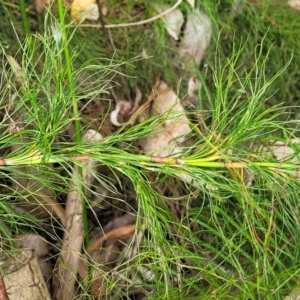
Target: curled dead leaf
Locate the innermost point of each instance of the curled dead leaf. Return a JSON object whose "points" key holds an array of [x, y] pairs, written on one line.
{"points": [[176, 126], [124, 109]]}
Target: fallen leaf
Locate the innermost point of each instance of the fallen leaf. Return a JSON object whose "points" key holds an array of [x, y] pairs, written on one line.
{"points": [[196, 38], [87, 9], [192, 99], [191, 2], [146, 273], [295, 4], [174, 129], [282, 151], [84, 9], [173, 21], [193, 86], [144, 54], [168, 140], [276, 149], [3, 290], [124, 109]]}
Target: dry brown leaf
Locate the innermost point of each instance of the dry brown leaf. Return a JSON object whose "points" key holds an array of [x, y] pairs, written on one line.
{"points": [[175, 127], [294, 295], [295, 4], [276, 149], [125, 109], [121, 111], [196, 38], [173, 21], [119, 222], [84, 9], [281, 151], [87, 9], [3, 290], [174, 130], [38, 194], [193, 87]]}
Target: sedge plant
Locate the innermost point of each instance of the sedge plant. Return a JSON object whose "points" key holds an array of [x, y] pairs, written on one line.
{"points": [[234, 239]]}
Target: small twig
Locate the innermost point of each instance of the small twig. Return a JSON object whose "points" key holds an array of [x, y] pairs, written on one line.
{"points": [[162, 14], [116, 233]]}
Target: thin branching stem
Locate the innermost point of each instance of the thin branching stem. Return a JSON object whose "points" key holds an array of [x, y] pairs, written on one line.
{"points": [[145, 160]]}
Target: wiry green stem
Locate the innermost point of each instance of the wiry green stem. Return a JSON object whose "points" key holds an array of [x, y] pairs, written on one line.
{"points": [[145, 160], [24, 17]]}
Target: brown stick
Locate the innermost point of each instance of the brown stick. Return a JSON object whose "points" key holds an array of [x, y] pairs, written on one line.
{"points": [[117, 233]]}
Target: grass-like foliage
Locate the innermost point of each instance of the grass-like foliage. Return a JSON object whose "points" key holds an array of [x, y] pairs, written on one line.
{"points": [[234, 238]]}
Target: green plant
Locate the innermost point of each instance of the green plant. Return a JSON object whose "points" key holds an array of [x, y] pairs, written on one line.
{"points": [[231, 239]]}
